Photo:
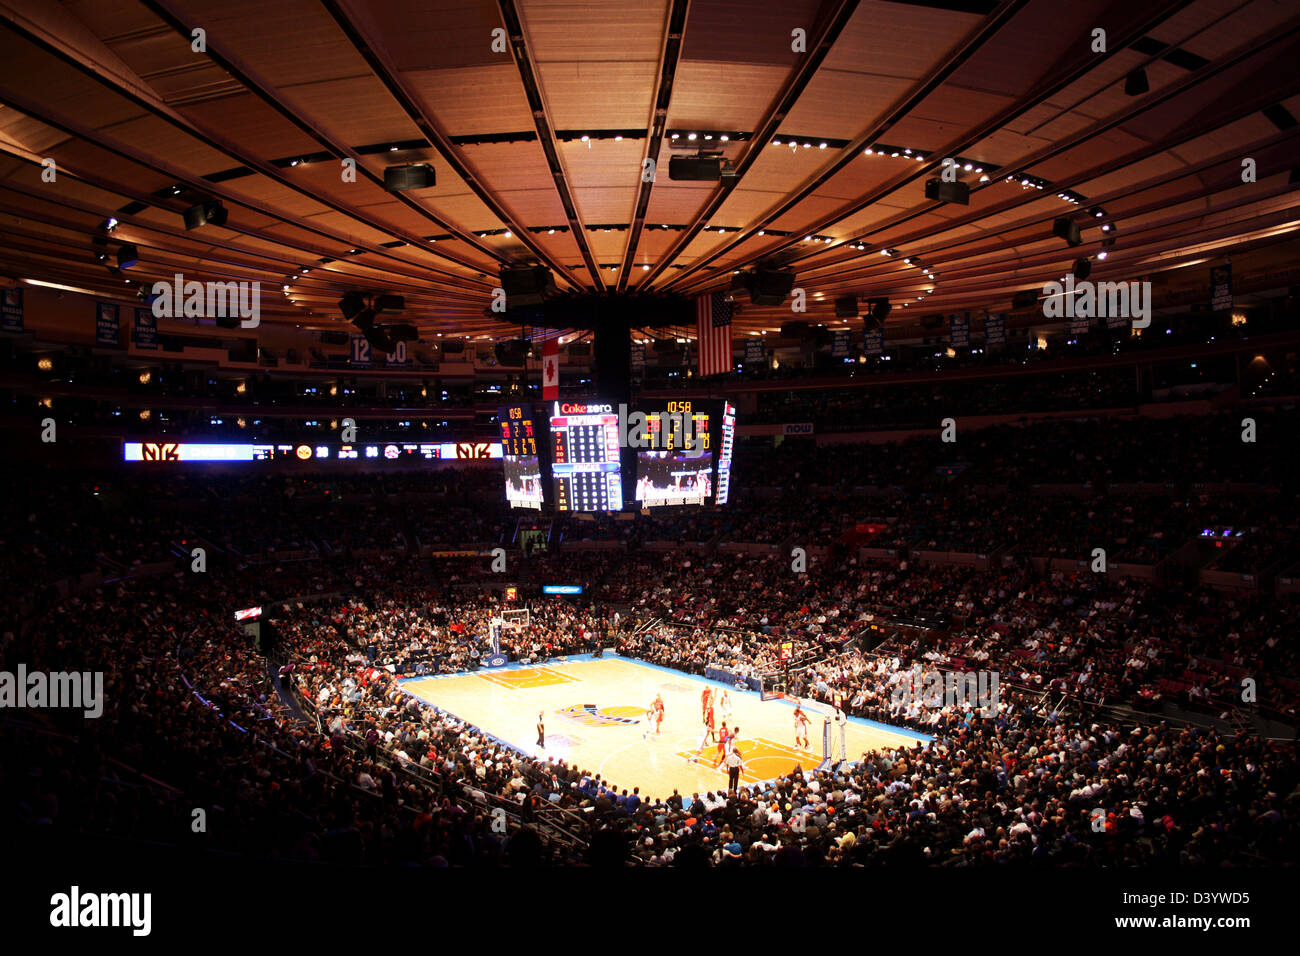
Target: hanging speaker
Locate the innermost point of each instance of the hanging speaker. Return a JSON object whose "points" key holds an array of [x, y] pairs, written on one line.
{"points": [[526, 285], [954, 192], [401, 178], [1068, 230]]}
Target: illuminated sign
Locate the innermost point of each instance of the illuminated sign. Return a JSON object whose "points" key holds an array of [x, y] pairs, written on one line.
{"points": [[184, 451], [248, 614], [580, 408], [204, 451], [481, 449], [562, 589]]}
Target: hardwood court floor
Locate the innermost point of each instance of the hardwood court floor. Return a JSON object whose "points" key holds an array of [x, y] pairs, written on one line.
{"points": [[595, 716]]}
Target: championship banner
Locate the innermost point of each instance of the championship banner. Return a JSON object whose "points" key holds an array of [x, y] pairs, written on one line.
{"points": [[11, 310], [873, 342], [959, 330], [995, 331], [840, 343], [144, 330], [1116, 321], [107, 330], [754, 351], [1221, 288], [1079, 324], [638, 355]]}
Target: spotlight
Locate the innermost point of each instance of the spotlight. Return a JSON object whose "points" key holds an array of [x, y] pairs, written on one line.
{"points": [[127, 256], [1082, 267]]}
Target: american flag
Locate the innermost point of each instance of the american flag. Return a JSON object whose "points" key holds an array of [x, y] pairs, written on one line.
{"points": [[713, 333]]}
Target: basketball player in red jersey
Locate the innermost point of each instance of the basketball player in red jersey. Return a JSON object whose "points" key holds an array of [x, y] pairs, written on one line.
{"points": [[705, 697], [724, 735], [659, 712]]}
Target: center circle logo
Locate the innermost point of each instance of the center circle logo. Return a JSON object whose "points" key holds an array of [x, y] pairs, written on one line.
{"points": [[595, 716]]}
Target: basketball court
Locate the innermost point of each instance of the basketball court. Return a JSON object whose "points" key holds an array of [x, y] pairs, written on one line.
{"points": [[595, 716]]}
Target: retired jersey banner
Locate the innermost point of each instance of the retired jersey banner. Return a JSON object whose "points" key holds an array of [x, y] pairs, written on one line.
{"points": [[107, 330], [873, 342], [11, 310], [638, 355], [755, 353], [995, 331], [145, 329], [399, 356], [959, 331], [359, 351]]}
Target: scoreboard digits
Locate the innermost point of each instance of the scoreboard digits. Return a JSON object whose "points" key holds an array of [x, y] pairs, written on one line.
{"points": [[518, 434]]}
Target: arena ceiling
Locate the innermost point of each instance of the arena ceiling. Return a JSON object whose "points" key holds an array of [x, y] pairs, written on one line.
{"points": [[537, 116]]}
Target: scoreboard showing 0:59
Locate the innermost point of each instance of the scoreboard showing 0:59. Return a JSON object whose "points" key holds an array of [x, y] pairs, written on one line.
{"points": [[523, 468]]}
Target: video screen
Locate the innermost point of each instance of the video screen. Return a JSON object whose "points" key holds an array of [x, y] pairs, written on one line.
{"points": [[523, 481], [585, 472], [673, 477]]}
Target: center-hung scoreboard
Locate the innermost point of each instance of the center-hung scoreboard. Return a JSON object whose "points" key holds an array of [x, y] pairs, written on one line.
{"points": [[592, 456]]}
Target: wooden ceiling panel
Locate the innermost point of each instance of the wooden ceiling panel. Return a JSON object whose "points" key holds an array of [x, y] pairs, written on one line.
{"points": [[474, 100], [597, 68]]}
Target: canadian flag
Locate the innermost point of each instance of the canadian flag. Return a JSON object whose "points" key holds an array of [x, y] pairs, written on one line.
{"points": [[551, 369]]}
